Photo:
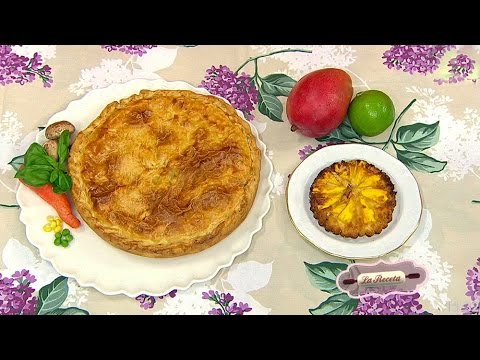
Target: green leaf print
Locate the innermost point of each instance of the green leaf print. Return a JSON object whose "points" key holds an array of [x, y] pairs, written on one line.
{"points": [[339, 304], [52, 296], [324, 275], [15, 206], [68, 311], [344, 132], [277, 84], [270, 106], [419, 136], [419, 161], [16, 162]]}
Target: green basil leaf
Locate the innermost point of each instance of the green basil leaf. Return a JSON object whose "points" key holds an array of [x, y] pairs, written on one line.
{"points": [[324, 275], [38, 160], [278, 84], [17, 162], [34, 149], [63, 183], [40, 167], [339, 304], [57, 189], [37, 178], [63, 143], [52, 162], [419, 136], [270, 106], [54, 175], [34, 177], [419, 161], [20, 174], [52, 296]]}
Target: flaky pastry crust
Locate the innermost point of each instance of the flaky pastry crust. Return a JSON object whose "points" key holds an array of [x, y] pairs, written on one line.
{"points": [[165, 173], [352, 199]]}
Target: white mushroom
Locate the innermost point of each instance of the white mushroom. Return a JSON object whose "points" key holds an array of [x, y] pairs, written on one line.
{"points": [[54, 130], [51, 147]]}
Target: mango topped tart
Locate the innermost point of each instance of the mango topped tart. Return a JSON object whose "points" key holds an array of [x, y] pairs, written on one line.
{"points": [[352, 198], [165, 173]]}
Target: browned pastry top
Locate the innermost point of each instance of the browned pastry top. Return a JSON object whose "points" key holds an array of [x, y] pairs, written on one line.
{"points": [[165, 173]]}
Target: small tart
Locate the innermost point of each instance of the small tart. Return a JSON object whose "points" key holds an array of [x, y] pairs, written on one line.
{"points": [[352, 198]]}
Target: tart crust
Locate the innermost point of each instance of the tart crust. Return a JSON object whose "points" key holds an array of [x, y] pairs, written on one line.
{"points": [[353, 198], [165, 173]]}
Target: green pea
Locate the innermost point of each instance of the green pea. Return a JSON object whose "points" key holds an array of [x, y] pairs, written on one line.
{"points": [[57, 241], [69, 237], [58, 235], [65, 232], [64, 243]]}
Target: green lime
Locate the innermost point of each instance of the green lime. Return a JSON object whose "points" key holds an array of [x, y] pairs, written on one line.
{"points": [[371, 112]]}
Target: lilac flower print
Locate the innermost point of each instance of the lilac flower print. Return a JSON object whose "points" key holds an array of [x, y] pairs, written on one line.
{"points": [[148, 301], [227, 307], [208, 295], [473, 290], [471, 309], [226, 298], [22, 69], [240, 308], [16, 294], [425, 59], [171, 294], [44, 72], [393, 304], [420, 59], [139, 50], [215, 311], [309, 150], [239, 90], [24, 275], [461, 67], [473, 282]]}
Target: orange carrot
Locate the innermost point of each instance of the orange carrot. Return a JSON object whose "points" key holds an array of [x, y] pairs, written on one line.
{"points": [[59, 202]]}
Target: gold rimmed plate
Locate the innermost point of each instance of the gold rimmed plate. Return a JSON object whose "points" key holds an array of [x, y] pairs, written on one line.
{"points": [[406, 215]]}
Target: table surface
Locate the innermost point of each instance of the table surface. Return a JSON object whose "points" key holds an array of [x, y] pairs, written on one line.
{"points": [[278, 274]]}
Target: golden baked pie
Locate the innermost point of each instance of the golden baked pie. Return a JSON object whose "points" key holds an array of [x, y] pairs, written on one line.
{"points": [[165, 173], [352, 199]]}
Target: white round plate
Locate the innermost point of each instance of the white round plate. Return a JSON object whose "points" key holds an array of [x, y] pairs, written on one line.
{"points": [[406, 215], [93, 262]]}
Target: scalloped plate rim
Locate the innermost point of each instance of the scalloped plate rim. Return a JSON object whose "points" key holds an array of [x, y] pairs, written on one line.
{"points": [[257, 224]]}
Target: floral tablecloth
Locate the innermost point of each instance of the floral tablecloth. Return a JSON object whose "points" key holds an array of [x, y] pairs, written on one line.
{"points": [[280, 273]]}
